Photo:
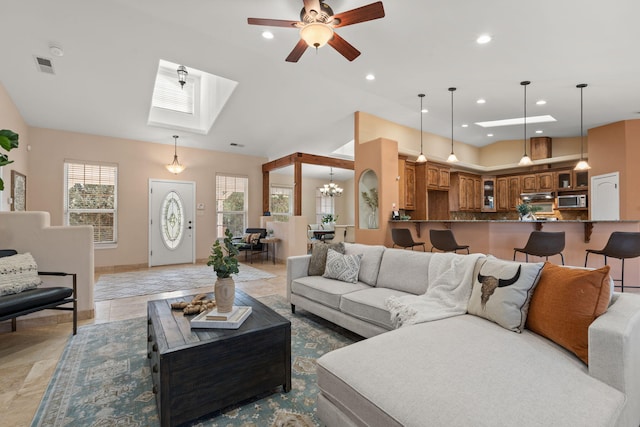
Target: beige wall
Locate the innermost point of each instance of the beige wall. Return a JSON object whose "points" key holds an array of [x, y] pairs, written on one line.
{"points": [[510, 151], [11, 119], [137, 163]]}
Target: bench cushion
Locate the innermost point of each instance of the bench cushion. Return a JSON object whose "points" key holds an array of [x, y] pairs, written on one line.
{"points": [[10, 304], [369, 305], [324, 291]]}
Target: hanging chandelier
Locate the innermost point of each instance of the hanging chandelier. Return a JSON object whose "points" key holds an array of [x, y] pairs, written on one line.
{"points": [[175, 166], [182, 75], [331, 189]]}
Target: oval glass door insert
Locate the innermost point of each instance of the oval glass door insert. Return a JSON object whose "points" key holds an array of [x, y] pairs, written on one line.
{"points": [[171, 220]]}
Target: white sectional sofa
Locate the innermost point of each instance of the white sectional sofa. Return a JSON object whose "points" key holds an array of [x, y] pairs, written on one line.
{"points": [[462, 370]]}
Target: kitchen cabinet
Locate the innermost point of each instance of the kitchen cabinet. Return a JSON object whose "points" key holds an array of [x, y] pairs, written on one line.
{"points": [[540, 147], [502, 194], [406, 184], [564, 180], [410, 186], [437, 177], [488, 191], [465, 192], [514, 184], [535, 182], [402, 161], [581, 180]]}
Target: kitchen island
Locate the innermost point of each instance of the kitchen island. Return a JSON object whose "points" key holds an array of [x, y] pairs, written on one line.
{"points": [[499, 237]]}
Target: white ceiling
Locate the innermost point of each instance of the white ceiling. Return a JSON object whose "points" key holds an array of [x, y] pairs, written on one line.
{"points": [[104, 81]]}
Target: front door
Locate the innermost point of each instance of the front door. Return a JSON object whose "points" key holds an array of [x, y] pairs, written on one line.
{"points": [[171, 222]]}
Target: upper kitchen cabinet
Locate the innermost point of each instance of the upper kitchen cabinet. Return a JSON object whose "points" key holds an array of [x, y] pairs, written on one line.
{"points": [[581, 180], [541, 181], [410, 186], [564, 180], [489, 194], [438, 177], [402, 161], [465, 192]]}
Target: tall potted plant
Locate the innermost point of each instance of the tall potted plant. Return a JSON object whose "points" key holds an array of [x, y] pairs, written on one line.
{"points": [[8, 141], [224, 263]]}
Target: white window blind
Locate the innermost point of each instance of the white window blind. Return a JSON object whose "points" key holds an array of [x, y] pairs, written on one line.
{"points": [[231, 204], [168, 94], [324, 205], [281, 202], [91, 198]]}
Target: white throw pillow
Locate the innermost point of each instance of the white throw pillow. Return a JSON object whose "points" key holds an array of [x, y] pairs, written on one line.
{"points": [[18, 273], [342, 267], [502, 291]]}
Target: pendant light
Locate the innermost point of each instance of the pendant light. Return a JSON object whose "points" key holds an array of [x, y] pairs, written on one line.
{"points": [[452, 157], [582, 164], [525, 160], [421, 158], [182, 75], [175, 166], [331, 189]]}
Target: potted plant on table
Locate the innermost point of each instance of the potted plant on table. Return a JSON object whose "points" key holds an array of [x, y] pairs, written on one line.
{"points": [[224, 263]]}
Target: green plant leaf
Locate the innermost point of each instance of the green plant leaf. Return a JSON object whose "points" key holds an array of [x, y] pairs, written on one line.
{"points": [[8, 139]]}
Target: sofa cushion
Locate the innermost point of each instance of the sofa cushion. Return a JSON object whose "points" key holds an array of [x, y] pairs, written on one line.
{"points": [[370, 264], [564, 304], [502, 291], [465, 371], [369, 305], [405, 271], [324, 291], [18, 273], [318, 260], [342, 267]]}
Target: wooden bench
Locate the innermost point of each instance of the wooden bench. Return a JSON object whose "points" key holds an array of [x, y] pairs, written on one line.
{"points": [[30, 301]]}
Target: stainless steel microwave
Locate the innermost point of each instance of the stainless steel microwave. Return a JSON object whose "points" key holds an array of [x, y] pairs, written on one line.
{"points": [[572, 201]]}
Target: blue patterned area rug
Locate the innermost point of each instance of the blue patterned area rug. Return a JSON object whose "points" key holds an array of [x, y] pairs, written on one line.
{"points": [[157, 280], [103, 378]]}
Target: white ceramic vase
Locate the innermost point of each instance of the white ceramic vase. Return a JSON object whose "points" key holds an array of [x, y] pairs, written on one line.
{"points": [[225, 292]]}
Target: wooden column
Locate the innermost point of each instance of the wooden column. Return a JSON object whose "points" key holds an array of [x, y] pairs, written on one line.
{"points": [[297, 188], [265, 191]]}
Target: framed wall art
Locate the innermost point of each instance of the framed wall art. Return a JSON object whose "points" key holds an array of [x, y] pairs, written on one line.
{"points": [[18, 191]]}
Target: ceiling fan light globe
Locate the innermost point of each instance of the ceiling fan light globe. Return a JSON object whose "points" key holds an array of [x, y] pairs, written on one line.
{"points": [[316, 34]]}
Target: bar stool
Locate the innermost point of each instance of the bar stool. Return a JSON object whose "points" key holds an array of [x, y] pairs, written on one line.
{"points": [[543, 244], [445, 241], [402, 237], [621, 245]]}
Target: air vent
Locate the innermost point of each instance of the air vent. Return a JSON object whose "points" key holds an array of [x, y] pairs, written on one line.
{"points": [[45, 65]]}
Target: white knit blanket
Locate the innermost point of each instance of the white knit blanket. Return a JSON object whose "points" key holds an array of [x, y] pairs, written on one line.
{"points": [[450, 284]]}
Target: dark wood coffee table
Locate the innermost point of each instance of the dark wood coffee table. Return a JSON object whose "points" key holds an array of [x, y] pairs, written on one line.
{"points": [[199, 371]]}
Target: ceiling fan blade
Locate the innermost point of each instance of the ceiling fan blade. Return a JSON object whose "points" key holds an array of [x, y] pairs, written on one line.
{"points": [[273, 22], [297, 51], [310, 5], [362, 14], [344, 47]]}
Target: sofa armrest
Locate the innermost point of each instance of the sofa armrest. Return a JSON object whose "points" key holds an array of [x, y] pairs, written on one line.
{"points": [[614, 351], [297, 266]]}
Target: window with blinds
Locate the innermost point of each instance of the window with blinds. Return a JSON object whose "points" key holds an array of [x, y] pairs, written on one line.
{"points": [[281, 202], [91, 195], [231, 204], [324, 206], [168, 94]]}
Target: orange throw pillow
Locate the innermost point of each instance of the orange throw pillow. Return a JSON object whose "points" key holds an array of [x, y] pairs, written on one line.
{"points": [[564, 304]]}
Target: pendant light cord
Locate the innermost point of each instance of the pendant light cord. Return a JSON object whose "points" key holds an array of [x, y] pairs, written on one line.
{"points": [[524, 139], [452, 89], [421, 98], [581, 86]]}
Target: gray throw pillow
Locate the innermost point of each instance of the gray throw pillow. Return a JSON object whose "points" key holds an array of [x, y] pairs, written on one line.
{"points": [[319, 257], [342, 267]]}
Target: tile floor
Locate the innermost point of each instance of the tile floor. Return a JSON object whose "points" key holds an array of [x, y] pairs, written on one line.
{"points": [[28, 357]]}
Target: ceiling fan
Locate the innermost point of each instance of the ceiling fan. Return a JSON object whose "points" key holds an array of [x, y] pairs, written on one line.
{"points": [[317, 23]]}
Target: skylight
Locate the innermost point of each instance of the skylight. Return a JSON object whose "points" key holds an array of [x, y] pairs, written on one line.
{"points": [[516, 121], [193, 108]]}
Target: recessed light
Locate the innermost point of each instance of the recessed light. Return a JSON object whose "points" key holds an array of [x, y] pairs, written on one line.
{"points": [[267, 35], [538, 131], [424, 110], [370, 77], [465, 125], [480, 101], [541, 102], [56, 50], [483, 39], [489, 134]]}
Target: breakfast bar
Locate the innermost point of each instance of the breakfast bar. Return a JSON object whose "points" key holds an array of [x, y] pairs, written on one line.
{"points": [[500, 237]]}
